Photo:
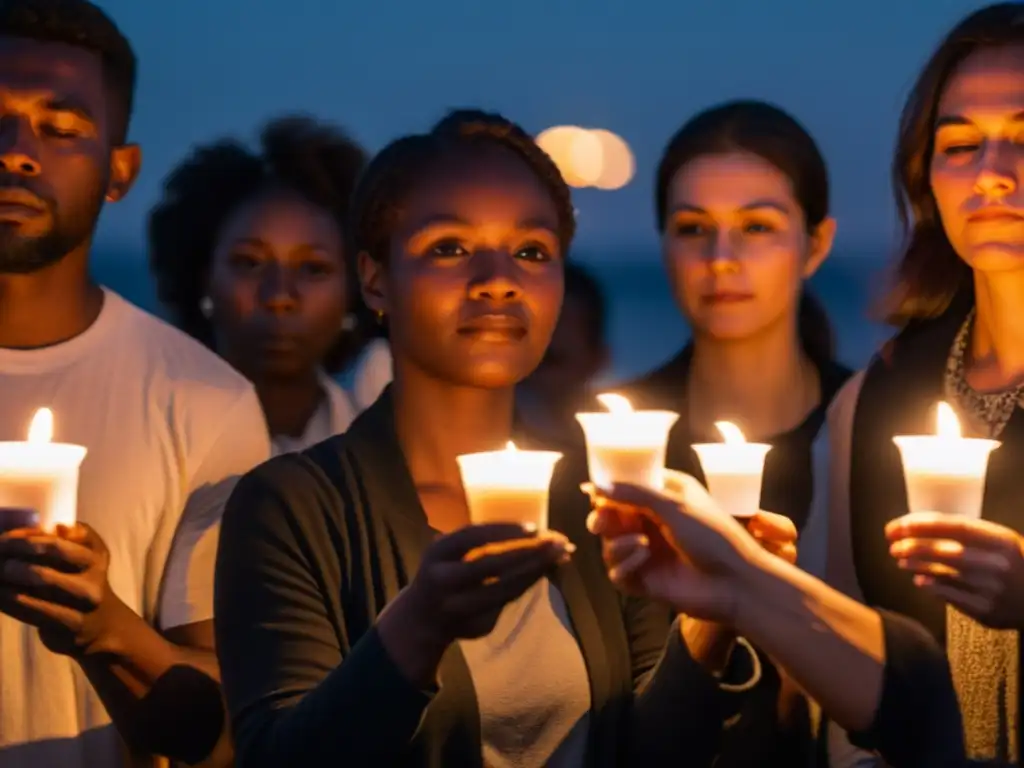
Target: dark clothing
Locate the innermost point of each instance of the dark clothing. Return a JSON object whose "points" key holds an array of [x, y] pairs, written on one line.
{"points": [[900, 390], [315, 545], [917, 724], [788, 485]]}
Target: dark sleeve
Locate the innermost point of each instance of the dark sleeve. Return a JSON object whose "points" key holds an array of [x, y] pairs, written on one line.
{"points": [[293, 696], [918, 719], [678, 709]]}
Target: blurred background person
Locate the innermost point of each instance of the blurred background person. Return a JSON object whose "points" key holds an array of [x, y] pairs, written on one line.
{"points": [[248, 252], [742, 204], [548, 401]]}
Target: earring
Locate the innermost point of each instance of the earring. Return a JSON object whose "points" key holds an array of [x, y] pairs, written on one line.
{"points": [[206, 307], [349, 322], [380, 317]]}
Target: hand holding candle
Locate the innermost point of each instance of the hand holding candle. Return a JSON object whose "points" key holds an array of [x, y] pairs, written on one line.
{"points": [[626, 446], [39, 478], [945, 472], [509, 486], [733, 470]]}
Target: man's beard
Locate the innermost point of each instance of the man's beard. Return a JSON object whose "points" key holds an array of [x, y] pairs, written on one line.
{"points": [[21, 255]]}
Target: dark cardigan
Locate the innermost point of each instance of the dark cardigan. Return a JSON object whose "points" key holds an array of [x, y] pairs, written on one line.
{"points": [[315, 545]]}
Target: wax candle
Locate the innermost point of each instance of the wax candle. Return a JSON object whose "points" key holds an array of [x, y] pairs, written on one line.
{"points": [[733, 470], [945, 472], [509, 486], [39, 478], [624, 445]]}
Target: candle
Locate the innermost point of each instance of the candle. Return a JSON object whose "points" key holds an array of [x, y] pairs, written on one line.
{"points": [[626, 446], [945, 472], [509, 486], [733, 470], [39, 478]]}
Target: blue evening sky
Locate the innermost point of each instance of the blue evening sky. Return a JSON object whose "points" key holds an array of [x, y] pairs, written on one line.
{"points": [[639, 68]]}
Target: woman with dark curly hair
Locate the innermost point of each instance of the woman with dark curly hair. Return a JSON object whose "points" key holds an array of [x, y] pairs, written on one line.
{"points": [[247, 249]]}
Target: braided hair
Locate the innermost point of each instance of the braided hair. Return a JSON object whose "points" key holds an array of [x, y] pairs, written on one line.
{"points": [[317, 161], [397, 168]]}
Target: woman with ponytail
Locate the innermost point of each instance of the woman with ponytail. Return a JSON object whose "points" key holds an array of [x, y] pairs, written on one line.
{"points": [[742, 204]]}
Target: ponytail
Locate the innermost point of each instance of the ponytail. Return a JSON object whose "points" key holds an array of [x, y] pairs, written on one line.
{"points": [[816, 333]]}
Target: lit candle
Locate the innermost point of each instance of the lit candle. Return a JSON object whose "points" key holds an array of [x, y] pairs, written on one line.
{"points": [[39, 478], [733, 470], [509, 486], [626, 446], [945, 472]]}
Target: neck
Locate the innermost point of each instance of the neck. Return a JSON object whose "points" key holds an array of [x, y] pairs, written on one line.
{"points": [[767, 385], [49, 306], [997, 341], [289, 403], [437, 421]]}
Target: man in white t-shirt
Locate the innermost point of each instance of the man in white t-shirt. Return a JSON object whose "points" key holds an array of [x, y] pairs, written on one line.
{"points": [[105, 628]]}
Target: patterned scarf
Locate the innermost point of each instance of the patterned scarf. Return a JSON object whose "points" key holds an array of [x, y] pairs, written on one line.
{"points": [[984, 661]]}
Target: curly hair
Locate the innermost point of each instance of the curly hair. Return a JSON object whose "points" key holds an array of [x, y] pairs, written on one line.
{"points": [[81, 24], [401, 165], [317, 161]]}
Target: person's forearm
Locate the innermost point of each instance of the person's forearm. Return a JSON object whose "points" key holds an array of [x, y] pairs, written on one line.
{"points": [[833, 646], [163, 698]]}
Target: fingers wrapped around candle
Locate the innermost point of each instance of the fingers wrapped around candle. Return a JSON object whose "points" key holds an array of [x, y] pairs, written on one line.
{"points": [[776, 533], [976, 565]]}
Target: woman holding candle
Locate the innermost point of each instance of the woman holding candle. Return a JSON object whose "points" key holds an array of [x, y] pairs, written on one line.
{"points": [[866, 667], [742, 204], [248, 253], [356, 623], [958, 172]]}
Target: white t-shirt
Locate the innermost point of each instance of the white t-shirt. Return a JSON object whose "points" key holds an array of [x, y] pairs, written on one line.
{"points": [[169, 427]]}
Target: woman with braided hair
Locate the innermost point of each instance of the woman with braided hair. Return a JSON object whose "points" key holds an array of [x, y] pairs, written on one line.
{"points": [[248, 253], [361, 619]]}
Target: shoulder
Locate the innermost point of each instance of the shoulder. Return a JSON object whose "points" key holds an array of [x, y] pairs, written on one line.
{"points": [[843, 406], [167, 354], [297, 487]]}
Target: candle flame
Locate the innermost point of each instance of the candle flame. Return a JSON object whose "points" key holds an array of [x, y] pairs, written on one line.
{"points": [[41, 429], [730, 432], [616, 404], [946, 422], [510, 446]]}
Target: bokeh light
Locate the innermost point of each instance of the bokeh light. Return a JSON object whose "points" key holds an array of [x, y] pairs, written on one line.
{"points": [[589, 157]]}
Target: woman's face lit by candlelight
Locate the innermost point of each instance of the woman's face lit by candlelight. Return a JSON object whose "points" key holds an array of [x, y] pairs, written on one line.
{"points": [[736, 245], [978, 160], [473, 283]]}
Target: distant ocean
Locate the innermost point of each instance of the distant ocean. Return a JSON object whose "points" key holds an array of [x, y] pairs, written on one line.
{"points": [[645, 325]]}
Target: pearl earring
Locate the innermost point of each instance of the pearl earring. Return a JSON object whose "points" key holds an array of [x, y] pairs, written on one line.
{"points": [[206, 307]]}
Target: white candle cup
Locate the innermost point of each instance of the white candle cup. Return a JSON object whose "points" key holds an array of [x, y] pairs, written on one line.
{"points": [[626, 446], [733, 471], [509, 486], [945, 472], [39, 479]]}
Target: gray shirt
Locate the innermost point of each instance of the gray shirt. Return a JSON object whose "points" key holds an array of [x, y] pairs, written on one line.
{"points": [[531, 684]]}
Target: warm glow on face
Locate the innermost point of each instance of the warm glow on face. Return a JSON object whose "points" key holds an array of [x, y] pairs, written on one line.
{"points": [[730, 432], [946, 422], [41, 429], [616, 404]]}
